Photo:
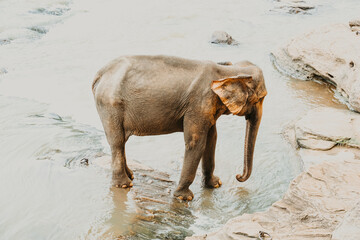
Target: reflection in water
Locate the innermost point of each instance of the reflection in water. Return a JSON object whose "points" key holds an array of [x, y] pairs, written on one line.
{"points": [[49, 123], [119, 217]]}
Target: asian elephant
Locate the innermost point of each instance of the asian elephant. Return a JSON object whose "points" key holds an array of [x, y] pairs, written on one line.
{"points": [[152, 95]]}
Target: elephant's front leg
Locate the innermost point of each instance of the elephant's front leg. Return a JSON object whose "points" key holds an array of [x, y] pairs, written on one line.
{"points": [[208, 160], [195, 140]]}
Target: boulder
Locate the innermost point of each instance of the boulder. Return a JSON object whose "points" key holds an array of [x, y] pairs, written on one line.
{"points": [[221, 37], [331, 54], [325, 134], [323, 128]]}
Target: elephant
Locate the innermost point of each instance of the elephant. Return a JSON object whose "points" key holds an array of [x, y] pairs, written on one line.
{"points": [[154, 95]]}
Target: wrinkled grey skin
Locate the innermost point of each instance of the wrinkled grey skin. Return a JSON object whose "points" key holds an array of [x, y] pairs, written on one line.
{"points": [[152, 95]]}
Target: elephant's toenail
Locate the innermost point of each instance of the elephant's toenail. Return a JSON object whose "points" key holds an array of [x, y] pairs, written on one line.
{"points": [[117, 186], [123, 186], [131, 184], [216, 186], [220, 182], [189, 198], [180, 197]]}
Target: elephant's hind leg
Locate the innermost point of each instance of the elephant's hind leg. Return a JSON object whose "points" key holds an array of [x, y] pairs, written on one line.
{"points": [[115, 134], [208, 160], [120, 176]]}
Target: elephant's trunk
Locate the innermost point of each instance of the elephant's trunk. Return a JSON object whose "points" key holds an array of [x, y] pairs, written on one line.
{"points": [[252, 126]]}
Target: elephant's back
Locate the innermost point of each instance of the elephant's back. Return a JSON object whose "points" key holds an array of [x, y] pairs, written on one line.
{"points": [[147, 78]]}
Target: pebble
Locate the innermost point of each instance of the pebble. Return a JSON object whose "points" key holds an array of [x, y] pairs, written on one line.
{"points": [[84, 162]]}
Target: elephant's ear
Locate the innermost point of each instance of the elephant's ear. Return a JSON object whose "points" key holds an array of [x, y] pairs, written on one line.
{"points": [[233, 91]]}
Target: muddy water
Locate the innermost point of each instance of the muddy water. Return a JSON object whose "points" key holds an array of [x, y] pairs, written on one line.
{"points": [[49, 53]]}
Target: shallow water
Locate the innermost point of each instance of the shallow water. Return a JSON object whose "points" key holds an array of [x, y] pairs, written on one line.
{"points": [[49, 53]]}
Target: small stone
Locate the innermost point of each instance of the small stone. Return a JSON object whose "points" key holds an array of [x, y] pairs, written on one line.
{"points": [[355, 22], [3, 71], [355, 29], [150, 181], [84, 162], [221, 37]]}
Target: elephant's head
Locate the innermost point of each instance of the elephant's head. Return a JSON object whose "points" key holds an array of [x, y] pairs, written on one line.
{"points": [[243, 95]]}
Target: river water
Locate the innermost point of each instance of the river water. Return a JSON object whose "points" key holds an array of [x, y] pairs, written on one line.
{"points": [[49, 53]]}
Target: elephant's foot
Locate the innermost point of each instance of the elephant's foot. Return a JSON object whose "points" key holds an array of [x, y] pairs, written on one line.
{"points": [[122, 181], [213, 182], [184, 194], [129, 173]]}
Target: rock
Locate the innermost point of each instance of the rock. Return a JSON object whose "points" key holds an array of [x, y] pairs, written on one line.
{"points": [[349, 228], [311, 157], [221, 37], [293, 6], [225, 63], [355, 22], [323, 128], [355, 29], [355, 26], [316, 144], [84, 162], [314, 205], [331, 54]]}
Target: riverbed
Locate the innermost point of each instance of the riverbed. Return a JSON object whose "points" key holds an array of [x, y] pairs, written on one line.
{"points": [[49, 54]]}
